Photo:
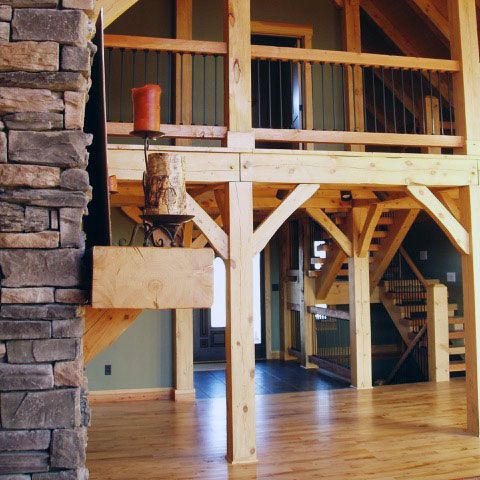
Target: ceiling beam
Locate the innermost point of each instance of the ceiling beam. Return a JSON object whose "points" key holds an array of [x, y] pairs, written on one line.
{"points": [[112, 9]]}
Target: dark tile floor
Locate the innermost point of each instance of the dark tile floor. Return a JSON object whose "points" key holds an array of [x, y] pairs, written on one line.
{"points": [[271, 376]]}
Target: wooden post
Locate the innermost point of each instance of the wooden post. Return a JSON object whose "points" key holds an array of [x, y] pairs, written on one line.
{"points": [[466, 87], [183, 355], [352, 42], [238, 74], [308, 296], [267, 296], [359, 297], [437, 330], [183, 83], [469, 201], [432, 121], [239, 341]]}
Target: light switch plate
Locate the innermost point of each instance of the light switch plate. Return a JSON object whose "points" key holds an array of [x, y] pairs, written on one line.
{"points": [[451, 277], [424, 255]]}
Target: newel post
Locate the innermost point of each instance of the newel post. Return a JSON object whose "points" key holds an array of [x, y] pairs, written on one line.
{"points": [[437, 330]]}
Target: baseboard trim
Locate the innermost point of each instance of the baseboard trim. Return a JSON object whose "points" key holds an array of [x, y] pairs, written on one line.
{"points": [[131, 395]]}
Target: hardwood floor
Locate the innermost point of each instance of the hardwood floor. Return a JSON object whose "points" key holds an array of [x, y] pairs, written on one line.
{"points": [[395, 432]]}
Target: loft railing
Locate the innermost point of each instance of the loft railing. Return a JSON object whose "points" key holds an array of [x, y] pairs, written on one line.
{"points": [[299, 96], [331, 336], [190, 72]]}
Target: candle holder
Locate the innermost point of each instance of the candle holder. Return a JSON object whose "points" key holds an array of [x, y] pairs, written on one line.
{"points": [[168, 224], [147, 135]]}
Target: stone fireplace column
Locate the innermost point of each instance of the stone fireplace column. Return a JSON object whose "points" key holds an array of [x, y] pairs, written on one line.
{"points": [[45, 58]]}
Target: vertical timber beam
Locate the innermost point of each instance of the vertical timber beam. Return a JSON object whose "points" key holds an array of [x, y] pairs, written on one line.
{"points": [[469, 201], [285, 315], [352, 42], [267, 296], [239, 342], [359, 296], [432, 121], [238, 74], [437, 330], [308, 295], [183, 73], [466, 87], [183, 355]]}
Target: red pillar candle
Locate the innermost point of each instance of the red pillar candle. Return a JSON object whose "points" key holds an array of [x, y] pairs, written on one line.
{"points": [[146, 108]]}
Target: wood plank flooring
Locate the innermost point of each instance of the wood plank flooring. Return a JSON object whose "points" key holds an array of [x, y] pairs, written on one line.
{"points": [[391, 433]]}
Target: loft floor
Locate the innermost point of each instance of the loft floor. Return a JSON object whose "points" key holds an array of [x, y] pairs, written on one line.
{"points": [[398, 432]]}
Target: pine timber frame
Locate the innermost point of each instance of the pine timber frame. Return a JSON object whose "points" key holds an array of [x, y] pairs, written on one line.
{"points": [[419, 181]]}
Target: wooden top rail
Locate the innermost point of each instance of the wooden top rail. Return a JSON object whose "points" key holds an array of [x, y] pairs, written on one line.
{"points": [[351, 58], [174, 45], [328, 312]]}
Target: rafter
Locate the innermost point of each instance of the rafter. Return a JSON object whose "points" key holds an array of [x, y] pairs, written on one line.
{"points": [[442, 216], [112, 9], [373, 216], [329, 272]]}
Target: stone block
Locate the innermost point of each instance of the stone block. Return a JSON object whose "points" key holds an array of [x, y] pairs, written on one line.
{"points": [[4, 34], [24, 462], [29, 56], [32, 3], [45, 198], [34, 121], [36, 219], [24, 329], [51, 350], [3, 147], [59, 149], [12, 217], [29, 240], [71, 295], [74, 110], [76, 59], [14, 100], [55, 81], [68, 328], [79, 474], [27, 295], [41, 312], [25, 377], [69, 27], [5, 13], [68, 448], [14, 476], [39, 410], [21, 440], [32, 176], [30, 268], [80, 4], [71, 231], [69, 374], [75, 179], [3, 352]]}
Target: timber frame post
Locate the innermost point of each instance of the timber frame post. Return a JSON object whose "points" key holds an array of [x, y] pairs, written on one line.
{"points": [[183, 355]]}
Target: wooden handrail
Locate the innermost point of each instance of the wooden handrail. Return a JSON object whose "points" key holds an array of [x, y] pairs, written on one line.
{"points": [[174, 45], [352, 58]]}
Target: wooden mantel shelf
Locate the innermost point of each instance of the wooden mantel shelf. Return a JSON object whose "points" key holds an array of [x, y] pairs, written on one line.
{"points": [[152, 278]]}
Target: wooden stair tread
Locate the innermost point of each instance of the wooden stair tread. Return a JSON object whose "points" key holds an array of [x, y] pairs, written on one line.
{"points": [[457, 366], [456, 320], [457, 335], [457, 350]]}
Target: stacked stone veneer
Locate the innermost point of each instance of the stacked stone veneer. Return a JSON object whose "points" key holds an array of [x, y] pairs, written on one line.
{"points": [[45, 58]]}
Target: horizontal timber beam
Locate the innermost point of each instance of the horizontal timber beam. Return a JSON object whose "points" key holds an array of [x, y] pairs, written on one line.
{"points": [[116, 129]]}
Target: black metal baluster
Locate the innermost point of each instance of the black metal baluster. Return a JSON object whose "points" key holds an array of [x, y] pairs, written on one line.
{"points": [[157, 61], [204, 89], [385, 122], [134, 67], [280, 92], [422, 96], [323, 94], [344, 92], [413, 103], [354, 75], [364, 86], [393, 102], [450, 110], [403, 102], [442, 129], [216, 90], [258, 95], [374, 99], [270, 93], [292, 93], [122, 62], [109, 83], [193, 89], [169, 85], [333, 97], [181, 89], [432, 112]]}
